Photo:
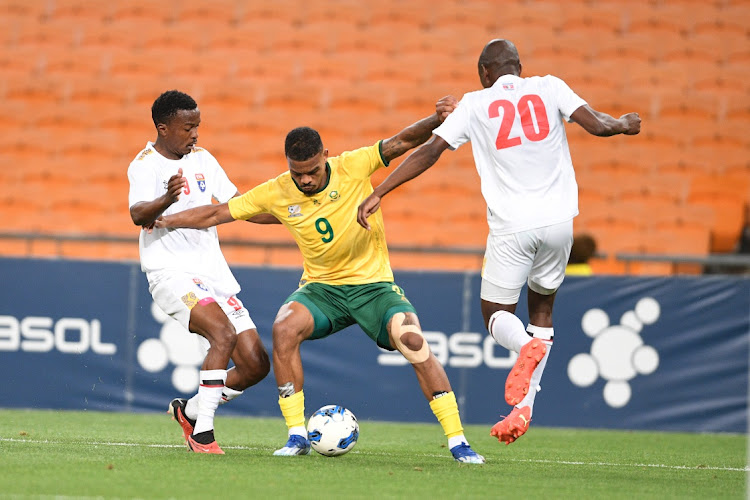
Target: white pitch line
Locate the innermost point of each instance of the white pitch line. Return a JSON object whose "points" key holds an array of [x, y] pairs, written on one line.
{"points": [[526, 460]]}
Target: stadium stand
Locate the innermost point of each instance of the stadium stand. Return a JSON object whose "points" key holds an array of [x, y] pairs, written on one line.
{"points": [[77, 79]]}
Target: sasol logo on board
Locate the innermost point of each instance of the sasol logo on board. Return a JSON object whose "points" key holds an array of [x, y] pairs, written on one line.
{"points": [[459, 350], [43, 334]]}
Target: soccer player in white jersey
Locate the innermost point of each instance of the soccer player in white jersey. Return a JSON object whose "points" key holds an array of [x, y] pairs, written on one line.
{"points": [[187, 274], [527, 179]]}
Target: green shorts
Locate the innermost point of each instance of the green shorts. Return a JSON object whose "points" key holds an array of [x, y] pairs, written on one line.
{"points": [[371, 306]]}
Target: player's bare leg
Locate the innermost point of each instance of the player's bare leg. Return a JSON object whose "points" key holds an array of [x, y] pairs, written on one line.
{"points": [[251, 364], [405, 335], [209, 321], [293, 324]]}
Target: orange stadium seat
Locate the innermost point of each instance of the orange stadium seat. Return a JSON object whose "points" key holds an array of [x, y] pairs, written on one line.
{"points": [[656, 21], [482, 16], [679, 240], [544, 15], [678, 215], [233, 98], [682, 51], [212, 15], [186, 38], [83, 11], [293, 12], [721, 23], [362, 100], [33, 92], [60, 34], [436, 40], [402, 69], [299, 97], [117, 34], [721, 86], [336, 68], [594, 19], [312, 41], [64, 117], [143, 11], [24, 9], [21, 62], [398, 16], [62, 62]]}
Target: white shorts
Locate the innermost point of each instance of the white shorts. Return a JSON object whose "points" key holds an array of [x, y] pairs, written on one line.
{"points": [[537, 256], [177, 294]]}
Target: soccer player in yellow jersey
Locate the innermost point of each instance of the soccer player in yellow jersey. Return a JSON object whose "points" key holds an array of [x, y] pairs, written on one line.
{"points": [[347, 275]]}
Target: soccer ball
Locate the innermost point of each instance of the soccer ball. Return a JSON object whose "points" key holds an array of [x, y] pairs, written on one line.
{"points": [[332, 430]]}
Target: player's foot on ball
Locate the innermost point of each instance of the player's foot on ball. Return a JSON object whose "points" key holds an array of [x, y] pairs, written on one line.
{"points": [[177, 410], [513, 426], [204, 442], [296, 445], [519, 379], [464, 454]]}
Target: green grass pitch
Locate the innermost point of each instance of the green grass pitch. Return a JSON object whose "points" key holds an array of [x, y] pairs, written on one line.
{"points": [[66, 454]]}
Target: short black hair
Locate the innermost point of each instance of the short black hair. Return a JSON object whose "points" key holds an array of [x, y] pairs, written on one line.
{"points": [[168, 104], [302, 143]]}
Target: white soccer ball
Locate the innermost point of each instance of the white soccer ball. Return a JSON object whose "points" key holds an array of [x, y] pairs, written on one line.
{"points": [[332, 430]]}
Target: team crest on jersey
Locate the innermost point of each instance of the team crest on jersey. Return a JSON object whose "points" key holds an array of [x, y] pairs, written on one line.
{"points": [[200, 284], [509, 86], [294, 211], [201, 182], [334, 195]]}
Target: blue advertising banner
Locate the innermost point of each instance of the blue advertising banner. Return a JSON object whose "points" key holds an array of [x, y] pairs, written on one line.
{"points": [[629, 352]]}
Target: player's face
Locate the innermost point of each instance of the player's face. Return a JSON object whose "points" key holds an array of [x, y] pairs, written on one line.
{"points": [[181, 133], [310, 175]]}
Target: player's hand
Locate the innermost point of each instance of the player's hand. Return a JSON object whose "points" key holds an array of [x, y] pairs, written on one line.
{"points": [[148, 227], [160, 223], [632, 123], [175, 185], [445, 106], [366, 209]]}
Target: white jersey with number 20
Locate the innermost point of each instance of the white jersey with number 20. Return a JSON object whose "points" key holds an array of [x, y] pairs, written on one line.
{"points": [[520, 150]]}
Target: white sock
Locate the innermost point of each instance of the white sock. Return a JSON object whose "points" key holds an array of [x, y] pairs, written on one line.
{"points": [[228, 394], [546, 335], [209, 393], [191, 407], [299, 431], [508, 331], [456, 440]]}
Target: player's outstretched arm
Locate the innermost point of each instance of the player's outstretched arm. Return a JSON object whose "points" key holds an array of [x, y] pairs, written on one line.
{"points": [[601, 124], [409, 138], [417, 162], [197, 218]]}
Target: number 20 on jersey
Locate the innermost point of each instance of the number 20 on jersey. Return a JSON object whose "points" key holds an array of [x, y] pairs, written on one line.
{"points": [[530, 108]]}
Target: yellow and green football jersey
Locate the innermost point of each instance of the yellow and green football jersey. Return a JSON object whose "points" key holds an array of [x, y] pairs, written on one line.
{"points": [[335, 248]]}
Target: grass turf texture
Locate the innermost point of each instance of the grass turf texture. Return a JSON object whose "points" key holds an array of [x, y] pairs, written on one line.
{"points": [[115, 455]]}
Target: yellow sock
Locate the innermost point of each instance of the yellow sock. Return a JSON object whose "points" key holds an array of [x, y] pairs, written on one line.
{"points": [[293, 409], [445, 409]]}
